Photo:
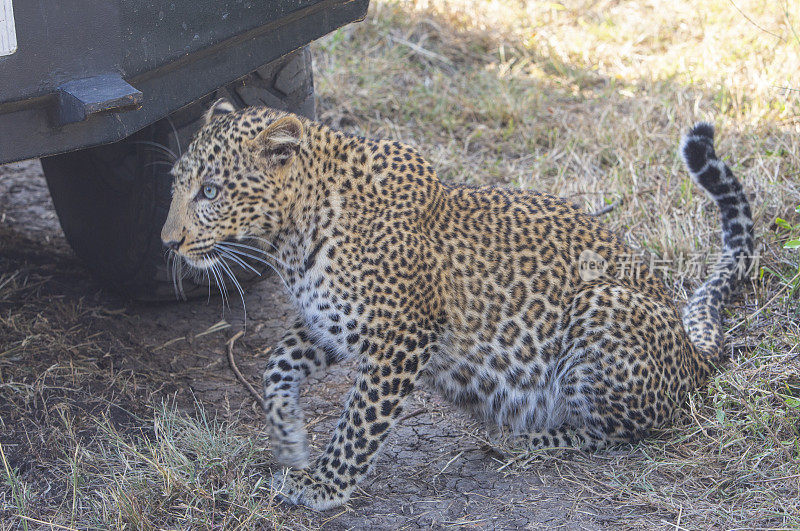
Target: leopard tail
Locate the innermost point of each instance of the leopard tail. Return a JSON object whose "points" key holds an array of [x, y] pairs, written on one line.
{"points": [[702, 316]]}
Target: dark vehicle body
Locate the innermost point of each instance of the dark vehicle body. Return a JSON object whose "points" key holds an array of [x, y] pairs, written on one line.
{"points": [[172, 52], [127, 74]]}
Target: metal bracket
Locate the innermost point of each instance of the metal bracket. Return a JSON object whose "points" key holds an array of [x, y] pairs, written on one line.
{"points": [[80, 99]]}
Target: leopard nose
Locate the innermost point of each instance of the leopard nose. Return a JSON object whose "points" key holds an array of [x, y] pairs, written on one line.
{"points": [[174, 244]]}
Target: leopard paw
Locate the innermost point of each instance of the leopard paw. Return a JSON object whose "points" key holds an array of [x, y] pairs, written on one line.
{"points": [[287, 433], [301, 487], [291, 453]]}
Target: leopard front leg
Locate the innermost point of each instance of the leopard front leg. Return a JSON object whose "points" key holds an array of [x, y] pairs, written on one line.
{"points": [[373, 406], [294, 358]]}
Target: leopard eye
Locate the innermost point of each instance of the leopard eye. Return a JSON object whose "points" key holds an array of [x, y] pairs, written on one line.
{"points": [[210, 191]]}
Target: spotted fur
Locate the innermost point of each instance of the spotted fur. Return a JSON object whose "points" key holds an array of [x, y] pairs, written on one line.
{"points": [[476, 292]]}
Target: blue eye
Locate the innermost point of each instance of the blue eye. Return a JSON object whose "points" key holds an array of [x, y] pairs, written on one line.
{"points": [[210, 191]]}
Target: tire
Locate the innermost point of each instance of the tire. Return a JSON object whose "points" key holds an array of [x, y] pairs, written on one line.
{"points": [[113, 199]]}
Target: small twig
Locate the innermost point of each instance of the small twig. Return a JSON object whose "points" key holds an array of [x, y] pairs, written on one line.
{"points": [[412, 415], [420, 50], [754, 23], [787, 89], [238, 373], [768, 480], [450, 462], [216, 327], [605, 210], [9, 279], [170, 342], [49, 524], [317, 421]]}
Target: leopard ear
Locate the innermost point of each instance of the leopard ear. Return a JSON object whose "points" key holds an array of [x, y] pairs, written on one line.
{"points": [[279, 141], [218, 108]]}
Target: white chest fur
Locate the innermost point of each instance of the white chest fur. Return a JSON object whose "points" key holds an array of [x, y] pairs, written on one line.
{"points": [[328, 311]]}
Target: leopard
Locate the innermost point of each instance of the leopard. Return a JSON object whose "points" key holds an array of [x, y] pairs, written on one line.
{"points": [[512, 304]]}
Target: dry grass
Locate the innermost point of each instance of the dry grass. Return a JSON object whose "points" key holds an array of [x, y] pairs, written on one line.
{"points": [[588, 100], [85, 444], [583, 99]]}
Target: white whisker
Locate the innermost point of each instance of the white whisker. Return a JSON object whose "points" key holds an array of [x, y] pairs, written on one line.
{"points": [[177, 140], [263, 240], [226, 301], [171, 258], [162, 147], [174, 264], [280, 262], [237, 260], [179, 273], [241, 253], [238, 244], [258, 251], [219, 282], [155, 162], [286, 285], [226, 268]]}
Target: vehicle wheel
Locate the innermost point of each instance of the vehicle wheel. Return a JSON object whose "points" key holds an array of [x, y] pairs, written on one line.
{"points": [[113, 199]]}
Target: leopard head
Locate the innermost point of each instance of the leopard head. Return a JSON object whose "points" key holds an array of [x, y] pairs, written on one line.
{"points": [[231, 183]]}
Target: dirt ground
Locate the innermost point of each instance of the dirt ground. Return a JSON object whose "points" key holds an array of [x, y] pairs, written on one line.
{"points": [[433, 473]]}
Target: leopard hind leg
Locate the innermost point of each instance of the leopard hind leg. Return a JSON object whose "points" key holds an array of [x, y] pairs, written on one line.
{"points": [[624, 372]]}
